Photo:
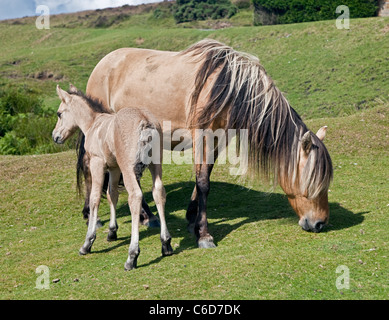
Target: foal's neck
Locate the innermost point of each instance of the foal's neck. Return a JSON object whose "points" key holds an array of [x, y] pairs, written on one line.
{"points": [[84, 116]]}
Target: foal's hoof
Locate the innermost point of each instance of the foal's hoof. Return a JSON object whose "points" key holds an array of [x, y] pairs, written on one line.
{"points": [[84, 251], [206, 243], [129, 265]]}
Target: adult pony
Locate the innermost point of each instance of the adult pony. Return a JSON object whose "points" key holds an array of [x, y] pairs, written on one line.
{"points": [[212, 86]]}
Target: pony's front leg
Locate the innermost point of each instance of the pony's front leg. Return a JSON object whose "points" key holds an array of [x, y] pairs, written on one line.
{"points": [[97, 174], [112, 197], [135, 204], [159, 195]]}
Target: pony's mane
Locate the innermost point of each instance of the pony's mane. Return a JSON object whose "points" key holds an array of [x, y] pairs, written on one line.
{"points": [[95, 104], [253, 102]]}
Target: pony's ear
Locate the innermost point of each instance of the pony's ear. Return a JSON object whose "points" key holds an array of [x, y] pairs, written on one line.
{"points": [[63, 95], [321, 133], [72, 88], [306, 142]]}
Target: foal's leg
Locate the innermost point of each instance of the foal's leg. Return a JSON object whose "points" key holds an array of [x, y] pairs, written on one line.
{"points": [[113, 196], [97, 174], [88, 188], [159, 196], [135, 204]]}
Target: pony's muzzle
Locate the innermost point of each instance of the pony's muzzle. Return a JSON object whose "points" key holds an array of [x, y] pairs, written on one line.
{"points": [[316, 227]]}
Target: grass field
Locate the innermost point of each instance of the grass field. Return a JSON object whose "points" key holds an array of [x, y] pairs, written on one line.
{"points": [[337, 78]]}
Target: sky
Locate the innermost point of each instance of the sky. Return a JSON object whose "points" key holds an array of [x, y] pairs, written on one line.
{"points": [[20, 8]]}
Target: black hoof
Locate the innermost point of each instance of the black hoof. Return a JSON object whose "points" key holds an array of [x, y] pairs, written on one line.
{"points": [[112, 236], [191, 227], [167, 249], [99, 224], [154, 223]]}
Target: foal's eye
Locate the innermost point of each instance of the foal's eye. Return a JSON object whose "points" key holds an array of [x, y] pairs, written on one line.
{"points": [[59, 114]]}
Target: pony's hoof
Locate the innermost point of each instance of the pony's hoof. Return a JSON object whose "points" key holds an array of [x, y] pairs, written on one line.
{"points": [[153, 223], [167, 249], [191, 227], [112, 236], [99, 224], [206, 243]]}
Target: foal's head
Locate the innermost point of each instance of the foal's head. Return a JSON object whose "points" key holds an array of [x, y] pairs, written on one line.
{"points": [[66, 123], [308, 190], [76, 110]]}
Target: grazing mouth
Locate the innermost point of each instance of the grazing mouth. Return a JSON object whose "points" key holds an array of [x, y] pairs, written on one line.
{"points": [[316, 228]]}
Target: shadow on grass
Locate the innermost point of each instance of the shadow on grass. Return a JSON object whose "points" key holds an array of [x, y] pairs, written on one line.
{"points": [[226, 203]]}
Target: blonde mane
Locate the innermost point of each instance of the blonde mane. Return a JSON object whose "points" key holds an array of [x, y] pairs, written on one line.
{"points": [[253, 102]]}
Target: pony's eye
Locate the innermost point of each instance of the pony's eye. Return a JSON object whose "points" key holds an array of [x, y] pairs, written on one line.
{"points": [[59, 114]]}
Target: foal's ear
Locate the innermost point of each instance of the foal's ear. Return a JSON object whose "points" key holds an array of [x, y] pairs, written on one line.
{"points": [[63, 95], [321, 133], [306, 142], [72, 88]]}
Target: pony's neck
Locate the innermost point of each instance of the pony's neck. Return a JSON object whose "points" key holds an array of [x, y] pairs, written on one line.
{"points": [[84, 116]]}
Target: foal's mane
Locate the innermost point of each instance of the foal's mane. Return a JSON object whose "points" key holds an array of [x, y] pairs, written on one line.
{"points": [[253, 102], [95, 104], [98, 107]]}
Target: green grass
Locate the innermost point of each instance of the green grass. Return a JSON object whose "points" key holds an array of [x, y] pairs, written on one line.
{"points": [[331, 77], [262, 253]]}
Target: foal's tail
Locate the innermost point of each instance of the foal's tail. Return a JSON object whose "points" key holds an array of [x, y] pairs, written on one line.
{"points": [[80, 149], [146, 131]]}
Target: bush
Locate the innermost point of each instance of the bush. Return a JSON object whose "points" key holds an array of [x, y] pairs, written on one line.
{"points": [[189, 10], [293, 11], [25, 124]]}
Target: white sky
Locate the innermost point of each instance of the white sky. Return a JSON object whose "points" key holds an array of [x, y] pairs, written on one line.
{"points": [[20, 8]]}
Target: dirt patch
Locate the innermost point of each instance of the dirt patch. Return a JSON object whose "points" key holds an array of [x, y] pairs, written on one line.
{"points": [[46, 75], [44, 38], [386, 29]]}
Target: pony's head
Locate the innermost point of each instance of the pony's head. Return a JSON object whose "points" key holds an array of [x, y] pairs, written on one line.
{"points": [[66, 124], [307, 192]]}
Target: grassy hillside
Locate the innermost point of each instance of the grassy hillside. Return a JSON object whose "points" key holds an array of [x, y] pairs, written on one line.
{"points": [[262, 253], [331, 77], [322, 70]]}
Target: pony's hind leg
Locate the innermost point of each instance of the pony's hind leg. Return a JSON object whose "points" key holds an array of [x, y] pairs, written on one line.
{"points": [[146, 216], [159, 196], [112, 197], [191, 212], [97, 173], [204, 238]]}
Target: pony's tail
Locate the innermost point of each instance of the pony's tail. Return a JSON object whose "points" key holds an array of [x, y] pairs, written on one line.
{"points": [[80, 149]]}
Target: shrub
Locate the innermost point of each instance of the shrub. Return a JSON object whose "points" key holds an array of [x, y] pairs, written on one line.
{"points": [[293, 11], [189, 10], [25, 124]]}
